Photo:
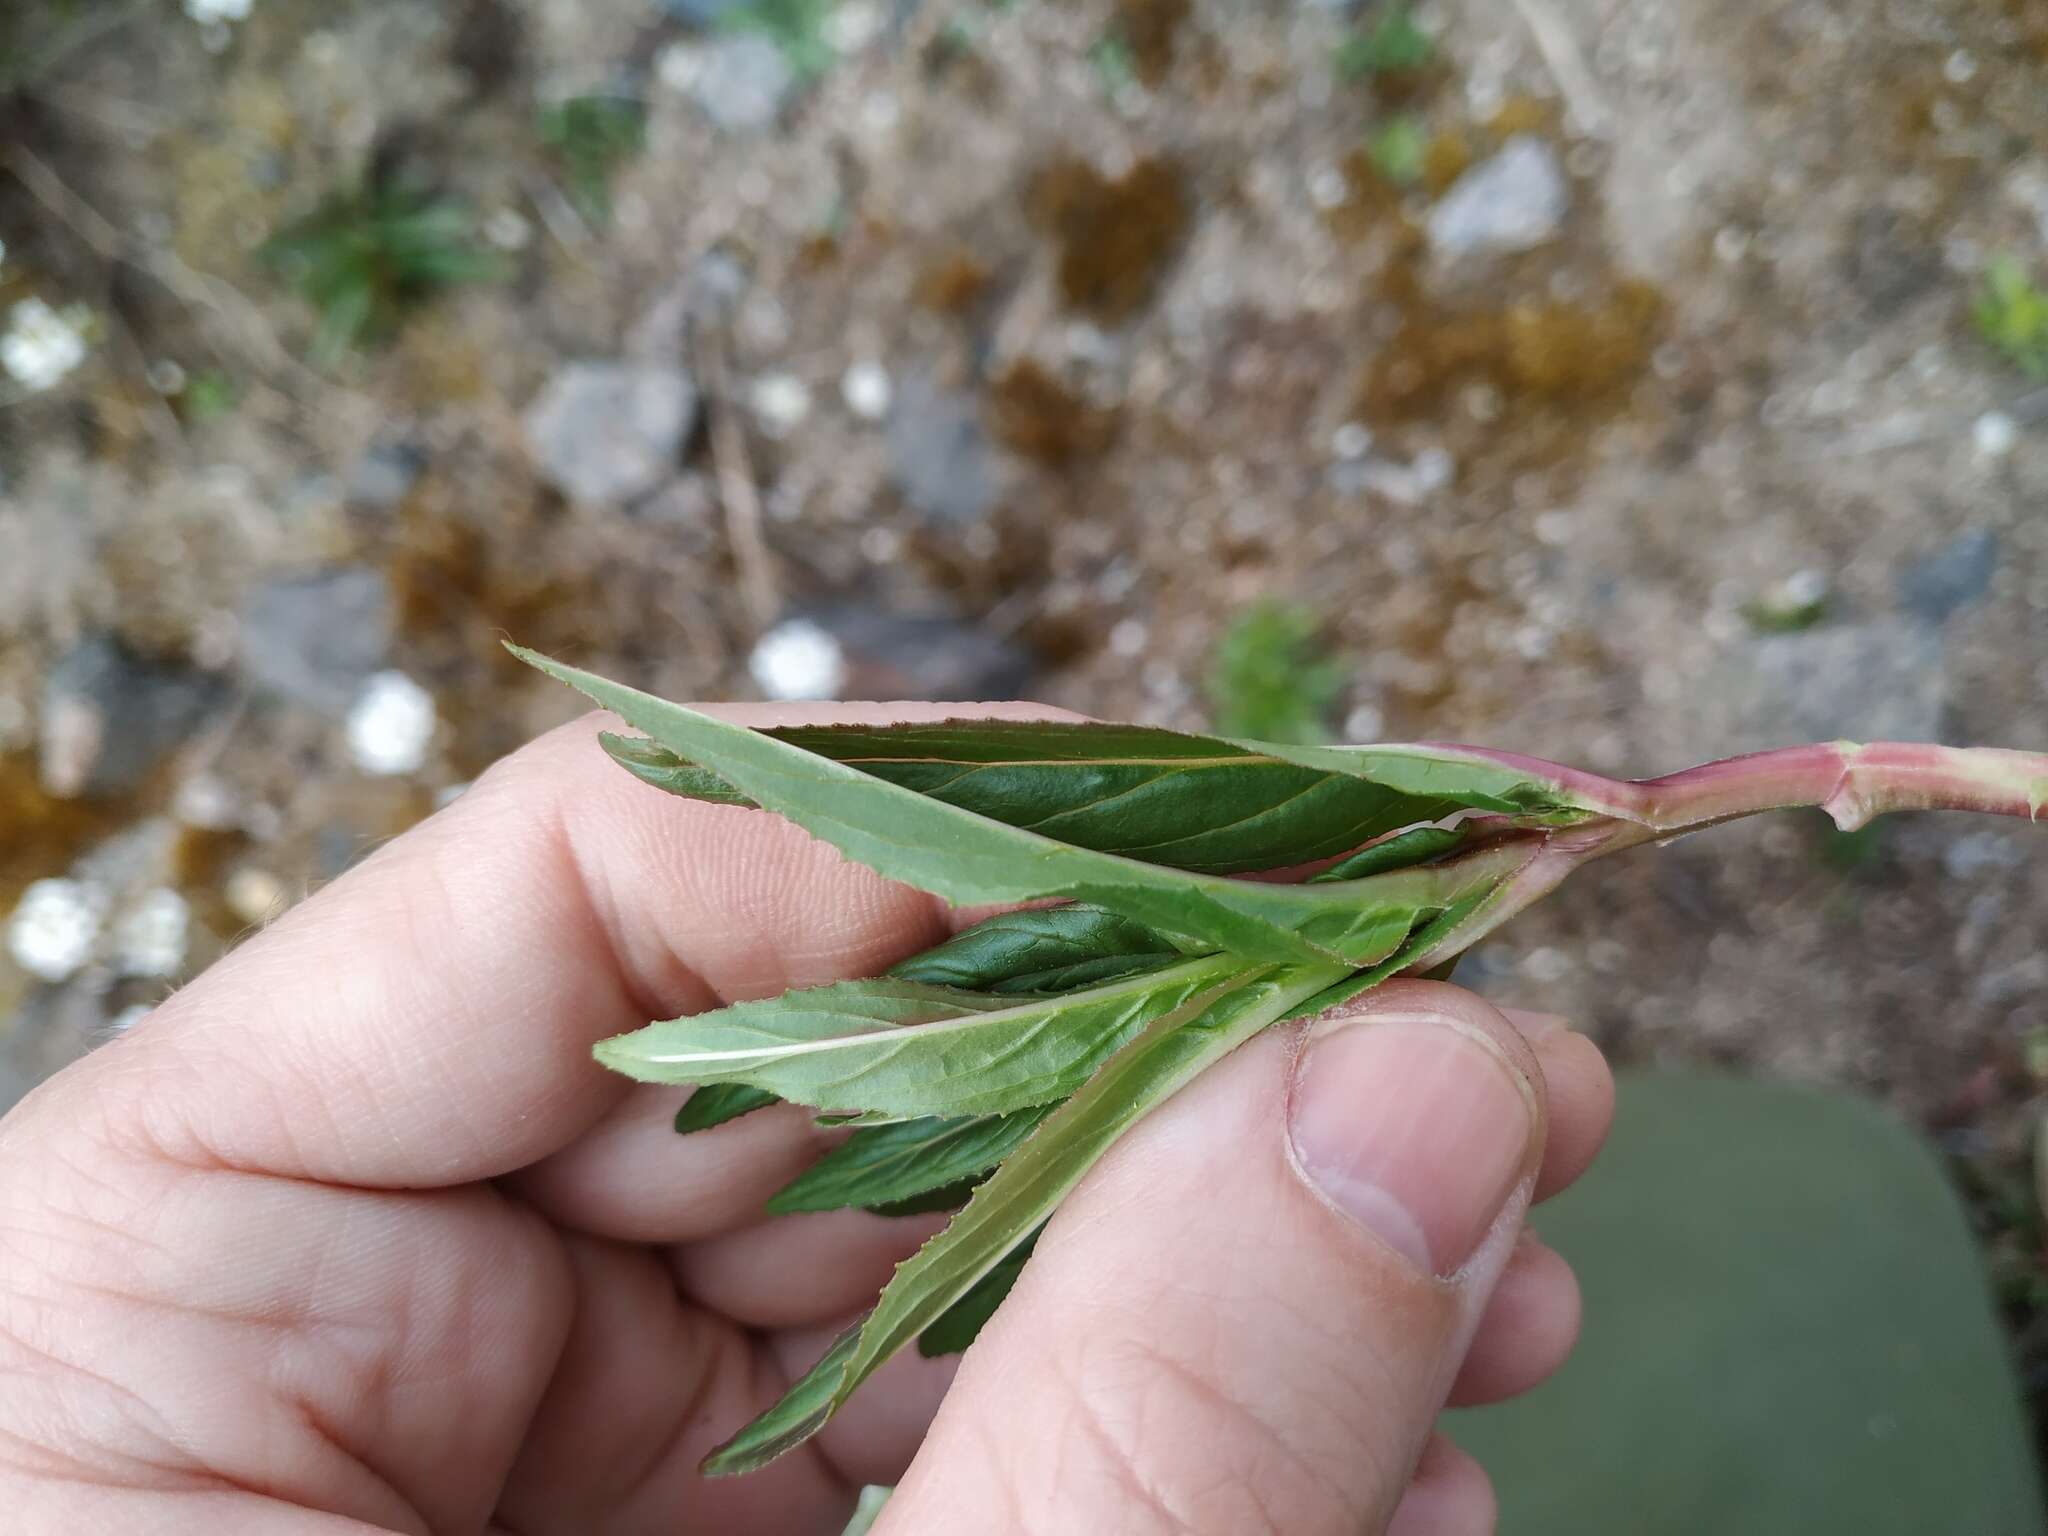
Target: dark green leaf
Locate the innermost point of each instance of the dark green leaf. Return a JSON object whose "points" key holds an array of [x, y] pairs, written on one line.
{"points": [[970, 858], [656, 765], [949, 1197], [1017, 1198], [889, 1164], [1041, 949], [716, 1103], [1186, 802], [1417, 846], [904, 1048], [960, 1323]]}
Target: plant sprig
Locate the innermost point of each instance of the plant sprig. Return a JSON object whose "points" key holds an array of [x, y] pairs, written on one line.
{"points": [[996, 1068]]}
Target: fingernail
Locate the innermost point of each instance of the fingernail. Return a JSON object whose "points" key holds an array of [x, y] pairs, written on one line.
{"points": [[1416, 1129]]}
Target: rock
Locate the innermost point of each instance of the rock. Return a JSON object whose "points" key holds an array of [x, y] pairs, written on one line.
{"points": [[109, 717], [1513, 201], [386, 473], [920, 656], [741, 82], [316, 639], [699, 13], [1888, 263], [608, 432], [1881, 681], [391, 725], [55, 928], [939, 456], [798, 659], [1951, 578]]}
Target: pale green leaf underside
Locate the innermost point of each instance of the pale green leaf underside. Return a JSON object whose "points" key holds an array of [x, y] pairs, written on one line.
{"points": [[1023, 1192], [904, 1048], [968, 858]]}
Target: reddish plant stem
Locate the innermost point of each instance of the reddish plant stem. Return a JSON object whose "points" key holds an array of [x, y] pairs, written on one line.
{"points": [[1852, 783]]}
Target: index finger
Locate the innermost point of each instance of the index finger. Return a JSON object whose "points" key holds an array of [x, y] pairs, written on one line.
{"points": [[427, 1020]]}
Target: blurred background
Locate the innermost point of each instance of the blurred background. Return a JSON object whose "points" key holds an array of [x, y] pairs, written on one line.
{"points": [[1629, 382]]}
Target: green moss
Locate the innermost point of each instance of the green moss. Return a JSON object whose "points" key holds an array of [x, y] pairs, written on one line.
{"points": [[2012, 315], [1271, 680]]}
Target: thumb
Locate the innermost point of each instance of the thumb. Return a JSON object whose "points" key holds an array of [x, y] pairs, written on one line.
{"points": [[1248, 1315]]}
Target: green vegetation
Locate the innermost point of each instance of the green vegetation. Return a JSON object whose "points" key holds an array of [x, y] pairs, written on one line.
{"points": [[2012, 314], [1114, 63], [372, 251], [1393, 45], [797, 27], [208, 395], [1269, 679], [593, 136], [1396, 148]]}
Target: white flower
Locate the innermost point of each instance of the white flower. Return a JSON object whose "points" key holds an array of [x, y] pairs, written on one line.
{"points": [[41, 345], [54, 928], [798, 660], [211, 12], [150, 939], [390, 725]]}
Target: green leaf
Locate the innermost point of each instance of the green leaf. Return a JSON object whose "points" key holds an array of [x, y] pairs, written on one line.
{"points": [[716, 1103], [656, 765], [905, 1048], [1186, 802], [959, 1324], [964, 857], [889, 1164], [948, 1197], [1023, 1192], [1041, 949], [1418, 846]]}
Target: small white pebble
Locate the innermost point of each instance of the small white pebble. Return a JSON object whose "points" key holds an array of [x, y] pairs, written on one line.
{"points": [[678, 66], [851, 26], [391, 725], [1804, 587], [151, 938], [1546, 964], [866, 389], [781, 402], [1555, 527], [41, 345], [1127, 637], [1365, 723], [798, 659], [1731, 244], [1432, 469], [1960, 68], [254, 895], [1994, 435], [508, 229], [54, 928], [1328, 188], [1353, 440], [213, 12]]}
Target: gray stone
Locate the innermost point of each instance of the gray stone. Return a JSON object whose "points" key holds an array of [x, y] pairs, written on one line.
{"points": [[939, 456], [316, 639], [1513, 201], [921, 655], [699, 13], [743, 82], [386, 473], [109, 717], [1951, 578], [1881, 681], [608, 432]]}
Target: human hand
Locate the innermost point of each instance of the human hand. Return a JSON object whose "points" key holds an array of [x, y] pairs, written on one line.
{"points": [[352, 1235]]}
